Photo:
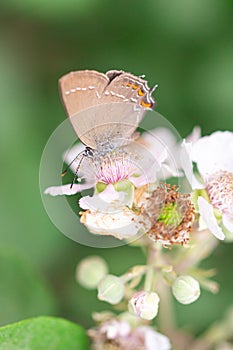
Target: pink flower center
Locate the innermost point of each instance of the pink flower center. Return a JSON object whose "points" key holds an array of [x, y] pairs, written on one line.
{"points": [[220, 190], [114, 167]]}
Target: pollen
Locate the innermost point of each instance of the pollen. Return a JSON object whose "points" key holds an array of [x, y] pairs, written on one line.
{"points": [[220, 189], [170, 215]]}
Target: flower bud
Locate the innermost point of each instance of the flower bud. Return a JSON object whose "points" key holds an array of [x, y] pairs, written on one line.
{"points": [[90, 271], [144, 304], [111, 289], [186, 289]]}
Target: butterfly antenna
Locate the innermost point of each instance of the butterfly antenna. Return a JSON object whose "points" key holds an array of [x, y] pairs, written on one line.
{"points": [[77, 169], [67, 168]]}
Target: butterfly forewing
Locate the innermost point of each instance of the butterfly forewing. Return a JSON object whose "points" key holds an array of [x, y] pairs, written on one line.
{"points": [[82, 89]]}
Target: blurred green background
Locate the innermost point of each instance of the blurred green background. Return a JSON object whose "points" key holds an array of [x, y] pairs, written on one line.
{"points": [[185, 46]]}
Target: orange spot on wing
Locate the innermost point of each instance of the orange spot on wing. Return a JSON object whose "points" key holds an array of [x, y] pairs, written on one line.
{"points": [[147, 105], [141, 92], [134, 87]]}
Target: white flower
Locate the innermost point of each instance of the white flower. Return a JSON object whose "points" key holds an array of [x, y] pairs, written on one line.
{"points": [[146, 160], [115, 176], [154, 340], [213, 156], [115, 329], [124, 337]]}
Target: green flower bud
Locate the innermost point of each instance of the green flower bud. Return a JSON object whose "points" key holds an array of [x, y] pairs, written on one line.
{"points": [[186, 289], [111, 289], [90, 271]]}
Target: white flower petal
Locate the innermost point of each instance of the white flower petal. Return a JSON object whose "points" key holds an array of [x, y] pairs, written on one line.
{"points": [[156, 146], [138, 181], [168, 170], [165, 147], [201, 224], [70, 155], [114, 329], [108, 201], [154, 340], [187, 165], [66, 190], [144, 158], [228, 223], [214, 153], [195, 135], [110, 194], [207, 212], [122, 224]]}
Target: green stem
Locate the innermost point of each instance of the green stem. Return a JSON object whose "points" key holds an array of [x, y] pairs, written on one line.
{"points": [[133, 273], [149, 280], [166, 317]]}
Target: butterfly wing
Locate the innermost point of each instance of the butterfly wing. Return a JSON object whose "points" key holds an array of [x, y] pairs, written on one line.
{"points": [[125, 95], [128, 88], [81, 89], [107, 123]]}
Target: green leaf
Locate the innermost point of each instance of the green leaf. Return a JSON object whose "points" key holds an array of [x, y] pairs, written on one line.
{"points": [[39, 333]]}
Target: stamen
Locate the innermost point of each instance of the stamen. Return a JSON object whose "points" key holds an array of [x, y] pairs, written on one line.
{"points": [[113, 167], [220, 189], [170, 215]]}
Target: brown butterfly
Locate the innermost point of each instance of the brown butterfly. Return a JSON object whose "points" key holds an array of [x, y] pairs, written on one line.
{"points": [[104, 109]]}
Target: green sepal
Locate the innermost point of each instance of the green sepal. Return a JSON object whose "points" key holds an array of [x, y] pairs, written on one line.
{"points": [[127, 187], [100, 187]]}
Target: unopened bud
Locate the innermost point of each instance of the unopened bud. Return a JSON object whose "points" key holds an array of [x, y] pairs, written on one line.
{"points": [[186, 289], [144, 304], [90, 271], [111, 289]]}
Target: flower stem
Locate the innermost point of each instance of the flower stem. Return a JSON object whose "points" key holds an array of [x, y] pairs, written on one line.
{"points": [[149, 280], [166, 317]]}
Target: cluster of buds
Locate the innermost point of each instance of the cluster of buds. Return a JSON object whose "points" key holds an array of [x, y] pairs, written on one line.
{"points": [[92, 273]]}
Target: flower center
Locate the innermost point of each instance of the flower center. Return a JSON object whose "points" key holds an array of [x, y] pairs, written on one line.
{"points": [[113, 167], [220, 189], [169, 214]]}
